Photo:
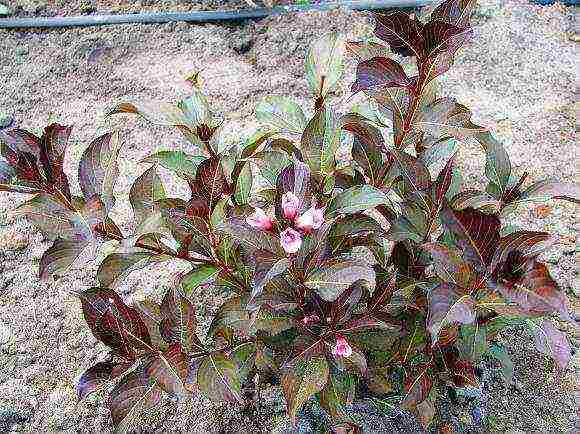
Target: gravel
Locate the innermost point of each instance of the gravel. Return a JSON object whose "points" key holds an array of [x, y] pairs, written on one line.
{"points": [[518, 74]]}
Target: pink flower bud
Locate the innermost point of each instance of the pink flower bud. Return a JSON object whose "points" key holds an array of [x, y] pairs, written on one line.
{"points": [[259, 219], [310, 319], [342, 348], [290, 205], [291, 240], [311, 219]]}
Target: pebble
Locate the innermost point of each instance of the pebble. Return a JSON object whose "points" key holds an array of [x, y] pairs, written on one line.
{"points": [[6, 120]]}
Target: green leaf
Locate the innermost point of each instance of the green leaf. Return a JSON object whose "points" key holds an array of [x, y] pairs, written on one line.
{"points": [[59, 257], [302, 380], [281, 113], [498, 166], [117, 266], [338, 393], [244, 185], [180, 163], [217, 378], [331, 280], [146, 190], [231, 315], [179, 324], [321, 140], [446, 118], [195, 109], [271, 164], [325, 64], [197, 277], [356, 199], [98, 170]]}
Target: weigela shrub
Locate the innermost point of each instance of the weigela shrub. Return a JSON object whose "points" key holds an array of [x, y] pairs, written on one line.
{"points": [[356, 262]]}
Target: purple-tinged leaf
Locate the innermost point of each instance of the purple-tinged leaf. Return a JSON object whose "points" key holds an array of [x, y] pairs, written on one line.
{"points": [[366, 323], [268, 266], [217, 378], [150, 313], [114, 323], [450, 266], [18, 170], [415, 175], [146, 190], [23, 141], [446, 118], [455, 12], [367, 145], [379, 73], [531, 288], [301, 381], [331, 279], [233, 315], [179, 324], [554, 343], [251, 238], [169, 370], [443, 182], [211, 180], [98, 170], [543, 190], [417, 387], [364, 51], [321, 140], [442, 41], [52, 216], [527, 244], [54, 143], [401, 32], [132, 395], [59, 257], [99, 376], [448, 305], [295, 179], [476, 199], [475, 233], [117, 266]]}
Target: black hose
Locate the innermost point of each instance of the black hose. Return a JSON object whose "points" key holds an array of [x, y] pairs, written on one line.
{"points": [[202, 16]]}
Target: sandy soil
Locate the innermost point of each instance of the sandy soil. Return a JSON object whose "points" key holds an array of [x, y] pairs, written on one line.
{"points": [[518, 74]]}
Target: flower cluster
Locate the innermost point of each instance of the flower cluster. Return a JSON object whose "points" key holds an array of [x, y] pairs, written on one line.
{"points": [[291, 237]]}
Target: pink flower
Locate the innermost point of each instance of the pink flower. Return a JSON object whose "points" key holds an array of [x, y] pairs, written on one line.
{"points": [[291, 240], [311, 219], [310, 319], [342, 348], [259, 219], [290, 205]]}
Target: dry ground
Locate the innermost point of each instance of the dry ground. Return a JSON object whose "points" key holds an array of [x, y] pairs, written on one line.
{"points": [[518, 74]]}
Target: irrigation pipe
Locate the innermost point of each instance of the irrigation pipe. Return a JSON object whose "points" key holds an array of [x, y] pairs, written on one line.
{"points": [[201, 16]]}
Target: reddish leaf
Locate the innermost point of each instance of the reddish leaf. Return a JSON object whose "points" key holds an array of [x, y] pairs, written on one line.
{"points": [[401, 32], [54, 143], [448, 305], [443, 182], [113, 322], [98, 376], [134, 394], [59, 257], [211, 180], [417, 385], [531, 288], [415, 175], [450, 266], [475, 233], [98, 169], [527, 244], [456, 12], [179, 324], [218, 379], [169, 370], [145, 192], [150, 313], [442, 41], [554, 343], [379, 72]]}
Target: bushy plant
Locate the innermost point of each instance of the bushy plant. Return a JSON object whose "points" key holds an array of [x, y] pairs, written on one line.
{"points": [[355, 260]]}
